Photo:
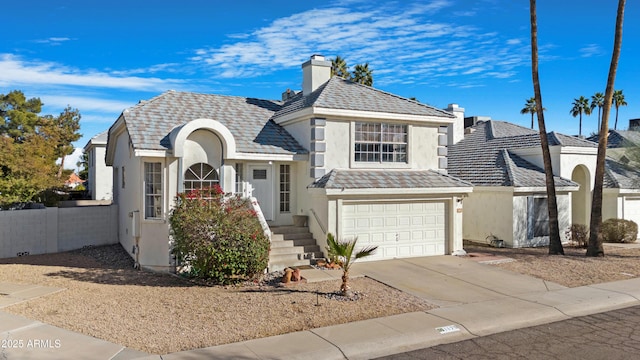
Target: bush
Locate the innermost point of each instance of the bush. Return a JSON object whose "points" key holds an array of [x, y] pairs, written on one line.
{"points": [[579, 235], [619, 231], [218, 237]]}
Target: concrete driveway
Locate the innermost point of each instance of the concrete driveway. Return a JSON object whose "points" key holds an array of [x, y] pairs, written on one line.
{"points": [[451, 280]]}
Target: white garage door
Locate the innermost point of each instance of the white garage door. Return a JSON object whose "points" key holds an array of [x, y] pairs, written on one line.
{"points": [[399, 229], [632, 211]]}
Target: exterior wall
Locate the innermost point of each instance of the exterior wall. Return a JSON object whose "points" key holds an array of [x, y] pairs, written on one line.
{"points": [[488, 212], [100, 175], [520, 221], [423, 147], [51, 230], [611, 204]]}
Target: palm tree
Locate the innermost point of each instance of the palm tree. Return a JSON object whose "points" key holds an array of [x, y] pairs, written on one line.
{"points": [[580, 106], [339, 67], [555, 244], [343, 251], [530, 108], [362, 74], [618, 100], [595, 247], [597, 101]]}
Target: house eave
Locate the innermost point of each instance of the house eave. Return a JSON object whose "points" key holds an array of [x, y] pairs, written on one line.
{"points": [[270, 157], [400, 191], [359, 114]]}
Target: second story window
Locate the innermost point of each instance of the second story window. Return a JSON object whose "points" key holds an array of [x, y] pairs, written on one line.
{"points": [[380, 142]]}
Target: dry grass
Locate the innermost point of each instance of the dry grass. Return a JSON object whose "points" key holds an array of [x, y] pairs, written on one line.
{"points": [[572, 270], [160, 313]]}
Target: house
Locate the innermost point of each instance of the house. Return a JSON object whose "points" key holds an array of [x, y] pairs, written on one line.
{"points": [[354, 160], [620, 141], [100, 176], [504, 163], [73, 181]]}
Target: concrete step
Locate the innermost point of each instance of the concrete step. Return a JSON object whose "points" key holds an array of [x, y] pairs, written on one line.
{"points": [[289, 229], [278, 250]]}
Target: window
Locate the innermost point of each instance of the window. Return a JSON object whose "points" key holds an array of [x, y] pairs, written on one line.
{"points": [[538, 217], [152, 190], [285, 188], [379, 142], [200, 176], [239, 178]]}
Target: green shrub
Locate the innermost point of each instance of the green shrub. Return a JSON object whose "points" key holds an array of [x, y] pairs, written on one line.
{"points": [[579, 235], [218, 237], [619, 231]]}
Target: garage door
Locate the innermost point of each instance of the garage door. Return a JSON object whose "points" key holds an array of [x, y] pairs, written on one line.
{"points": [[632, 210], [399, 229]]}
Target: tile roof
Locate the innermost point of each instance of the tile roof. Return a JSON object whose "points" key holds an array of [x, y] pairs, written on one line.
{"points": [[386, 179], [620, 138], [338, 93], [619, 176], [150, 122], [484, 157]]}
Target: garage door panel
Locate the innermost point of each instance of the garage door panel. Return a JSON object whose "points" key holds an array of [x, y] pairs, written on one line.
{"points": [[402, 229]]}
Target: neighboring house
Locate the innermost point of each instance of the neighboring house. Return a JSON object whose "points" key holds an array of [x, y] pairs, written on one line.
{"points": [[73, 181], [619, 142], [357, 161], [100, 176], [504, 163]]}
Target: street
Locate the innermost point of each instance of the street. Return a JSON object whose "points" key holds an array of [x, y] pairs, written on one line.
{"points": [[610, 335]]}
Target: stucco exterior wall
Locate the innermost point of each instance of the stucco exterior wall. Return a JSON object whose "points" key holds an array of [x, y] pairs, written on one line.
{"points": [[100, 175], [488, 212], [611, 204], [51, 230], [338, 139], [423, 147]]}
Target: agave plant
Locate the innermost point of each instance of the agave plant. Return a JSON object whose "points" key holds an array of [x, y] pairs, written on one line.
{"points": [[344, 252]]}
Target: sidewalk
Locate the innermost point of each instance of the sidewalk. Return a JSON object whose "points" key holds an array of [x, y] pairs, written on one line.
{"points": [[475, 300]]}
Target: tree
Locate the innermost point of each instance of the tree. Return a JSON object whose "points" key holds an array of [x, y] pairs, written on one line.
{"points": [[362, 74], [63, 130], [339, 67], [19, 114], [580, 106], [595, 247], [83, 165], [530, 108], [618, 100], [597, 101], [555, 244], [31, 144], [343, 250]]}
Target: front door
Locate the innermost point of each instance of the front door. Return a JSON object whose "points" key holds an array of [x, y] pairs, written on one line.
{"points": [[260, 180]]}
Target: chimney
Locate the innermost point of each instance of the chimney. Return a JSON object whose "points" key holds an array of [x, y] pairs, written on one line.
{"points": [[288, 94], [315, 72], [456, 130]]}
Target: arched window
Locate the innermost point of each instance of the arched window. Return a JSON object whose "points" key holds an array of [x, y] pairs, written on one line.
{"points": [[200, 176]]}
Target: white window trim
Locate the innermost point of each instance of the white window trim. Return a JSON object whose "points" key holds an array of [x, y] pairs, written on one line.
{"points": [[377, 165], [163, 185]]}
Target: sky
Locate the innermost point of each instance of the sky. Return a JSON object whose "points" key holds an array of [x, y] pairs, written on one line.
{"points": [[103, 57]]}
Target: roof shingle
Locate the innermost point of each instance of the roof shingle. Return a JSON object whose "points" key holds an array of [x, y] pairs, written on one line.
{"points": [[386, 179]]}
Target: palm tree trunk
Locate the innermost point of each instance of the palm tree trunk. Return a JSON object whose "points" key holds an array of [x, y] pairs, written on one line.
{"points": [[599, 117], [615, 125], [345, 289], [531, 120], [580, 126], [595, 240], [555, 244]]}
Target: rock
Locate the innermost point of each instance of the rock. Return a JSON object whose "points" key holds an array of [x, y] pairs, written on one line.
{"points": [[287, 275], [295, 276]]}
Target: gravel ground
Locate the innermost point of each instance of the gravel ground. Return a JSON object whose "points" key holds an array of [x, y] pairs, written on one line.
{"points": [[572, 270], [160, 313]]}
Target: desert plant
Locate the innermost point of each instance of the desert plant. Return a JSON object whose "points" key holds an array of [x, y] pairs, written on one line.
{"points": [[619, 231], [579, 235], [344, 253], [217, 237]]}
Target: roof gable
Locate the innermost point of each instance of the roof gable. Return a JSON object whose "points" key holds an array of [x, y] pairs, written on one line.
{"points": [[149, 123], [484, 156], [338, 93]]}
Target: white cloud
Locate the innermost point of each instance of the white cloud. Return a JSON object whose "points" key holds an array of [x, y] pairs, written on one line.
{"points": [[591, 50], [85, 104], [18, 72], [71, 160], [397, 41]]}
